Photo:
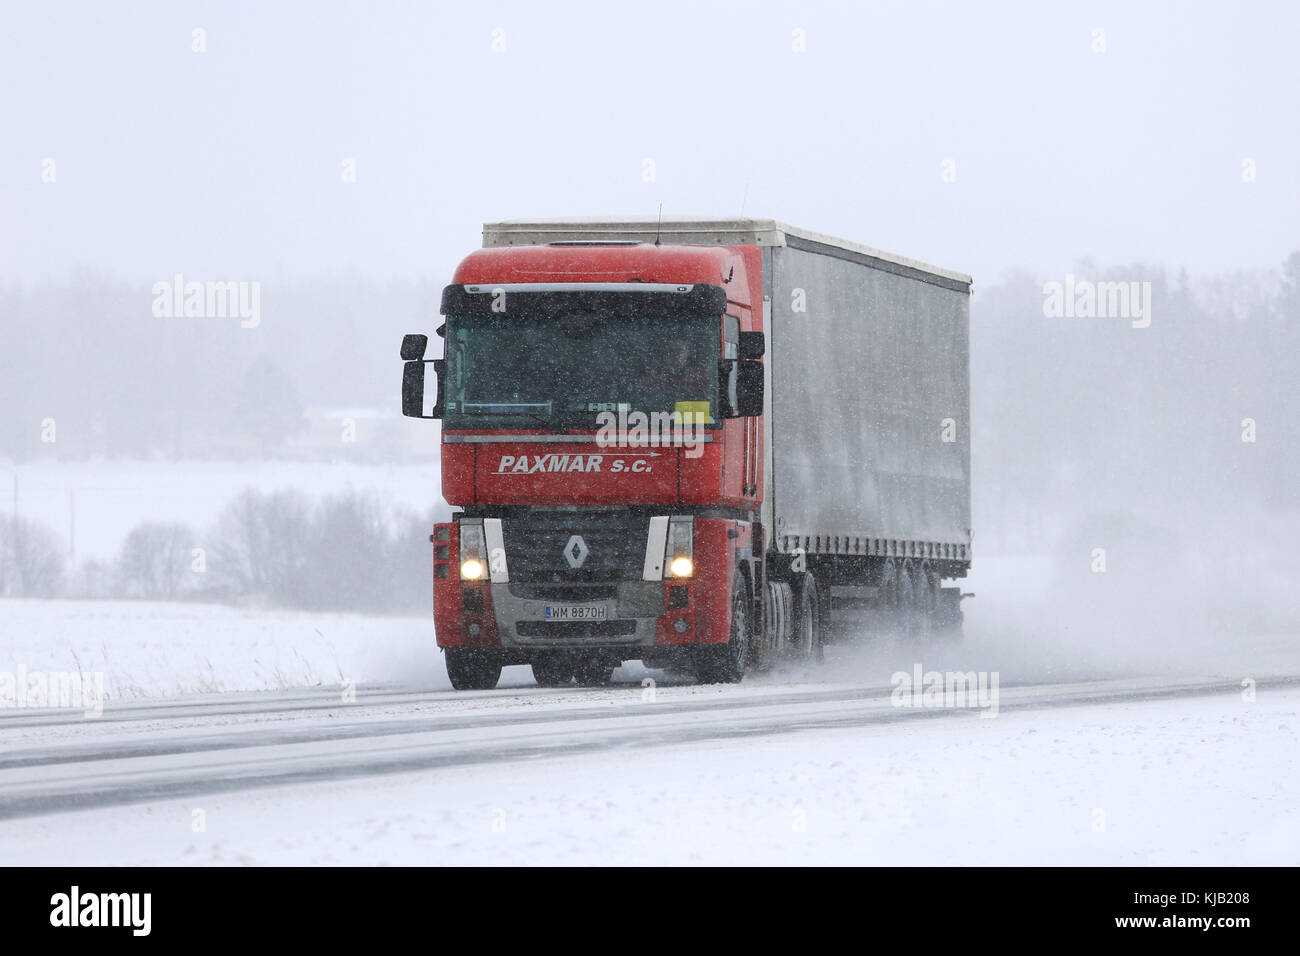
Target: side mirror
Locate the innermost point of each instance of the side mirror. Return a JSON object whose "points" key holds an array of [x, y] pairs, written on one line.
{"points": [[741, 389], [413, 347], [752, 345], [413, 387], [727, 380], [749, 388]]}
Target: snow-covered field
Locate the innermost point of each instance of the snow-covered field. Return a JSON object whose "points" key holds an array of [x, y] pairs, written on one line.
{"points": [[151, 649], [1124, 736]]}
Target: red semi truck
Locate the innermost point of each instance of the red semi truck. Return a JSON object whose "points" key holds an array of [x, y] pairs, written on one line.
{"points": [[691, 443]]}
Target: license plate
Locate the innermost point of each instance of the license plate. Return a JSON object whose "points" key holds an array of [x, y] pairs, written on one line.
{"points": [[575, 612]]}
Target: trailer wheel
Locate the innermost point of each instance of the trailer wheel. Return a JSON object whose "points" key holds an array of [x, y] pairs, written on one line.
{"points": [[808, 633], [725, 663], [920, 610], [903, 600], [472, 668], [912, 619], [890, 601]]}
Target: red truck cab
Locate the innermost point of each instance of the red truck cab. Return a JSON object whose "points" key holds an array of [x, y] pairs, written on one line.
{"points": [[602, 445]]}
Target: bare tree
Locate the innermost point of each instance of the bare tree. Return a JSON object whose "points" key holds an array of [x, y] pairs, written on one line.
{"points": [[31, 559], [155, 560], [262, 546], [348, 559]]}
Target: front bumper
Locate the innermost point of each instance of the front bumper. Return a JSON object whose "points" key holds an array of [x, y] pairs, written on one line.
{"points": [[633, 613]]}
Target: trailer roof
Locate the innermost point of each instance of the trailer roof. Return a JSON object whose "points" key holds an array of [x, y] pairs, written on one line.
{"points": [[760, 232]]}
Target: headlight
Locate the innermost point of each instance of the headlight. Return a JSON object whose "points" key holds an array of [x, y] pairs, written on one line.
{"points": [[679, 549], [472, 558]]}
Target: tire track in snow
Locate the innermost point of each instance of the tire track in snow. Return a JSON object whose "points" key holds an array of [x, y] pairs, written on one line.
{"points": [[69, 778]]}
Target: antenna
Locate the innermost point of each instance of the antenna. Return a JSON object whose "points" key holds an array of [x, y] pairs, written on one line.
{"points": [[659, 224]]}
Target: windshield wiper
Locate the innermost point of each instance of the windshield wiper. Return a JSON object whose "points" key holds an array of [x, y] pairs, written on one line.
{"points": [[496, 409], [543, 420]]}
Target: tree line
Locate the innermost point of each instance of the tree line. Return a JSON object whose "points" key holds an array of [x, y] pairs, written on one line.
{"points": [[346, 552]]}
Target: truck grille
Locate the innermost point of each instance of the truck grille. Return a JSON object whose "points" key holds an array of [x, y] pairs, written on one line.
{"points": [[536, 545], [572, 593], [568, 629]]}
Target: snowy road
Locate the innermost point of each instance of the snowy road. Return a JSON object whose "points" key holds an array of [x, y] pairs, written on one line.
{"points": [[415, 751]]}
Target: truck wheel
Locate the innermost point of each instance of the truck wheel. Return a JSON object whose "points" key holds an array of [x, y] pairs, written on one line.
{"points": [[807, 638], [725, 663], [471, 668], [554, 671]]}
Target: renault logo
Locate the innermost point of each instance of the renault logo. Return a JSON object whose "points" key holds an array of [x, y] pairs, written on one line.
{"points": [[576, 551]]}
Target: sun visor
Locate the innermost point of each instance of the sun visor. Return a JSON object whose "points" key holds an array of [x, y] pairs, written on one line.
{"points": [[614, 299]]}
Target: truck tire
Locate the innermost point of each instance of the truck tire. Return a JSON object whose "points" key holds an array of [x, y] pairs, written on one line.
{"points": [[920, 608], [907, 608], [556, 671], [725, 663], [809, 629], [769, 646], [472, 668]]}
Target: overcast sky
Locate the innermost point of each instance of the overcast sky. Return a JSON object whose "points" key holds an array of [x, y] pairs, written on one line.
{"points": [[229, 163]]}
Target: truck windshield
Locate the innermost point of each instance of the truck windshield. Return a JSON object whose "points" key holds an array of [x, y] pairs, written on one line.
{"points": [[517, 370]]}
